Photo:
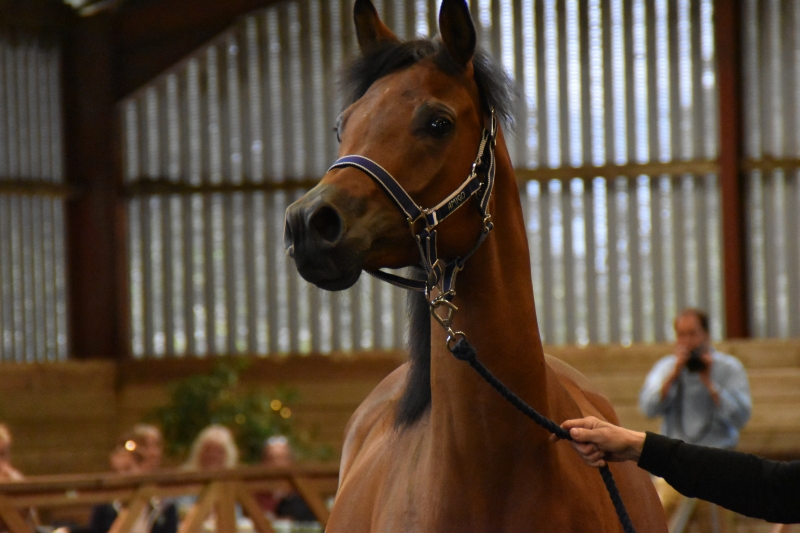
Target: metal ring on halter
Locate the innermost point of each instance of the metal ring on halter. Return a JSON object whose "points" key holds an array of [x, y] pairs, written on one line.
{"points": [[445, 322], [451, 338]]}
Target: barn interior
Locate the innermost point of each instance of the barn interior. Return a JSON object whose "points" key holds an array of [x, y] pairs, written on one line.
{"points": [[149, 149]]}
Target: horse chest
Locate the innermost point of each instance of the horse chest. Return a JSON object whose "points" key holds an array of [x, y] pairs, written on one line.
{"points": [[395, 486]]}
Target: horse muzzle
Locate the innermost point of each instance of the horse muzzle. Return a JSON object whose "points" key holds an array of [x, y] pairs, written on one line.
{"points": [[315, 236]]}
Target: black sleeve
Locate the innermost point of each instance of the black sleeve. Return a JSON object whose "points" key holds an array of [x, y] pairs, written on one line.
{"points": [[102, 518], [741, 482], [167, 520]]}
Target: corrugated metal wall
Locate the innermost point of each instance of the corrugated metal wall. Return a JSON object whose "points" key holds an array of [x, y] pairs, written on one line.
{"points": [[33, 322], [771, 45], [606, 82]]}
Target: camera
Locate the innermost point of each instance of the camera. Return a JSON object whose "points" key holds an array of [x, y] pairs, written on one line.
{"points": [[695, 362]]}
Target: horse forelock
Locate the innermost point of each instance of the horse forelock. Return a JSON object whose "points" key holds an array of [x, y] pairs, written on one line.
{"points": [[495, 86]]}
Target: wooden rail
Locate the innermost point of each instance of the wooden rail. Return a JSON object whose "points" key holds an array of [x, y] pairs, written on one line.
{"points": [[219, 492]]}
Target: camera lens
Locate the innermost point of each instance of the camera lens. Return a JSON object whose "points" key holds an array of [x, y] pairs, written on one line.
{"points": [[695, 362]]}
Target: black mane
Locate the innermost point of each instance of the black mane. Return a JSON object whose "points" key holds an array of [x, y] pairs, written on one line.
{"points": [[496, 91], [417, 394], [496, 88]]}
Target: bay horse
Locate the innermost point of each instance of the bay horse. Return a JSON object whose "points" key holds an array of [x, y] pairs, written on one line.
{"points": [[433, 448]]}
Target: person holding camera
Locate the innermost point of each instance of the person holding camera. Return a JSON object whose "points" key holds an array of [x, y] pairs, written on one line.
{"points": [[703, 395]]}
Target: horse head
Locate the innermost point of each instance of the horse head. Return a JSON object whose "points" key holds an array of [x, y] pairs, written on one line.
{"points": [[416, 109]]}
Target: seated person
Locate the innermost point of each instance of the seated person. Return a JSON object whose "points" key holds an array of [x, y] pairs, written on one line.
{"points": [[7, 471], [213, 449], [150, 444], [278, 503], [157, 517]]}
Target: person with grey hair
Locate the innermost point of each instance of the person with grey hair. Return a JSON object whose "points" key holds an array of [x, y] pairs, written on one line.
{"points": [[213, 449], [277, 452], [703, 394]]}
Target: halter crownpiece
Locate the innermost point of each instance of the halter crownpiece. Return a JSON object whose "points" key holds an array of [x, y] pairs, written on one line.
{"points": [[439, 273]]}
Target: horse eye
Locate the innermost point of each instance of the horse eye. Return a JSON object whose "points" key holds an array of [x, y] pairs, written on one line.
{"points": [[440, 126]]}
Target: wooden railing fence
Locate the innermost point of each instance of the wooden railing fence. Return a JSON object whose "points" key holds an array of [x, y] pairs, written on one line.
{"points": [[218, 494]]}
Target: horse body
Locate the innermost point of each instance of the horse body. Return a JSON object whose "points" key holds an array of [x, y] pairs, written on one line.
{"points": [[470, 461]]}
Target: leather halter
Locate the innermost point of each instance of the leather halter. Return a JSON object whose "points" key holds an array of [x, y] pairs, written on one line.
{"points": [[440, 274]]}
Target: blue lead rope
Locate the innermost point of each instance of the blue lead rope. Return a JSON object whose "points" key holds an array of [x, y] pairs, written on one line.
{"points": [[464, 351]]}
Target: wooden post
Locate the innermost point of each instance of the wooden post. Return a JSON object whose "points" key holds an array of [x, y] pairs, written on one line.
{"points": [[97, 270], [252, 509], [201, 510], [226, 508], [312, 498], [132, 512], [12, 518], [728, 37]]}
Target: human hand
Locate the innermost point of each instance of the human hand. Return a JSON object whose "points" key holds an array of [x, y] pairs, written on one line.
{"points": [[598, 442], [8, 472], [682, 354], [707, 361]]}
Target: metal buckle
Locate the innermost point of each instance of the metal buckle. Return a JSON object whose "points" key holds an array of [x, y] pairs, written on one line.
{"points": [[493, 130], [413, 222], [447, 321], [452, 337]]}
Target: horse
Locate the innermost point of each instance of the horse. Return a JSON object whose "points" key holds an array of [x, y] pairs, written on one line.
{"points": [[433, 448]]}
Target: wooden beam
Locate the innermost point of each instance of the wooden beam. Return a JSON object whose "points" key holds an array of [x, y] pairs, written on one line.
{"points": [[252, 509], [33, 187], [152, 35], [132, 512], [12, 518], [263, 370], [35, 15], [728, 37], [312, 499], [768, 163], [226, 508], [164, 186], [673, 168], [95, 218], [201, 510]]}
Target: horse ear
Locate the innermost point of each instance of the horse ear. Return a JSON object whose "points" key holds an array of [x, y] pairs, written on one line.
{"points": [[457, 30], [369, 28]]}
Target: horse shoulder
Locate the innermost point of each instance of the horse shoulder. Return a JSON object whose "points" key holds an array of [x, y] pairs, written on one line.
{"points": [[372, 418], [587, 395]]}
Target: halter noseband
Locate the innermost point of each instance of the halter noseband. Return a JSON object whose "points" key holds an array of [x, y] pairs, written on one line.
{"points": [[439, 273]]}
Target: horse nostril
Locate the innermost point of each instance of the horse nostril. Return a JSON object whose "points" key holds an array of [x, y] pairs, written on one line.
{"points": [[327, 223]]}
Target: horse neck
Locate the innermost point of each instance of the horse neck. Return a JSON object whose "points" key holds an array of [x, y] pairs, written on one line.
{"points": [[498, 316]]}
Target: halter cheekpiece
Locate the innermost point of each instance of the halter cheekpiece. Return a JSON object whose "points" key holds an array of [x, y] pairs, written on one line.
{"points": [[440, 274]]}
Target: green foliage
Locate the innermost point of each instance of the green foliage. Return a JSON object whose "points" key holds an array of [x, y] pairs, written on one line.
{"points": [[252, 416]]}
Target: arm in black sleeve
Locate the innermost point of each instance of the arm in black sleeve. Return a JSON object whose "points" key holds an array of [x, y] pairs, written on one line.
{"points": [[741, 482], [102, 518], [167, 520]]}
